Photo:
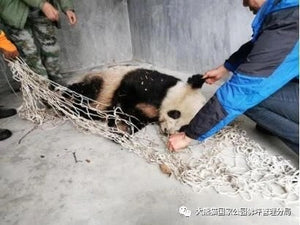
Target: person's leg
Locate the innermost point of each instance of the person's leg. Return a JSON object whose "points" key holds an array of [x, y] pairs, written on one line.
{"points": [[45, 33], [24, 40], [279, 114]]}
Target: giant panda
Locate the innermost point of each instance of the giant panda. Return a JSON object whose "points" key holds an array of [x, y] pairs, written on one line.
{"points": [[144, 95]]}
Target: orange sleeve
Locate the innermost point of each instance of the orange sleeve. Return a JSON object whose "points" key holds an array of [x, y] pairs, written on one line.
{"points": [[5, 44]]}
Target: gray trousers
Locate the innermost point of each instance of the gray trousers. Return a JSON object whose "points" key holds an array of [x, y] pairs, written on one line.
{"points": [[279, 114]]}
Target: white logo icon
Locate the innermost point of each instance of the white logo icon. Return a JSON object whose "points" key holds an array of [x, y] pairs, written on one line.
{"points": [[184, 211]]}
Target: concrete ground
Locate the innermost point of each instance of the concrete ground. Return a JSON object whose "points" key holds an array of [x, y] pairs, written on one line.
{"points": [[42, 183]]}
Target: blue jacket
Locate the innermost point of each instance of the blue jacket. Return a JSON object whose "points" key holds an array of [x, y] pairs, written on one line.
{"points": [[260, 67]]}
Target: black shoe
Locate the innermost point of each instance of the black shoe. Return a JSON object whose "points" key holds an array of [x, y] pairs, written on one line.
{"points": [[263, 130], [4, 134], [4, 112]]}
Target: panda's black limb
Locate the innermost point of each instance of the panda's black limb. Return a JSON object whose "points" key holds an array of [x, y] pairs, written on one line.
{"points": [[89, 88]]}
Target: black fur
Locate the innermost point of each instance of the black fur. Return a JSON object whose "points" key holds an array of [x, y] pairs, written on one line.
{"points": [[89, 88], [142, 86], [196, 81]]}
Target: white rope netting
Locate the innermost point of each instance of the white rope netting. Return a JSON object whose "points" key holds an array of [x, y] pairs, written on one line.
{"points": [[228, 162]]}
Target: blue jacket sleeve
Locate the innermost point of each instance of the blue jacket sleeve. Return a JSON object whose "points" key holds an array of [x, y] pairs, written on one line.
{"points": [[271, 63]]}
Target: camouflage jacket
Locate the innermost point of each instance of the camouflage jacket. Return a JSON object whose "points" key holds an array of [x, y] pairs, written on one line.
{"points": [[15, 12]]}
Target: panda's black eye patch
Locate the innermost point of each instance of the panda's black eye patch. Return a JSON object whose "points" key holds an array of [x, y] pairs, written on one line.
{"points": [[175, 114]]}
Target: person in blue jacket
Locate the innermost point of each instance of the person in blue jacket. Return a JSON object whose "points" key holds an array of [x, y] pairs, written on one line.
{"points": [[264, 83]]}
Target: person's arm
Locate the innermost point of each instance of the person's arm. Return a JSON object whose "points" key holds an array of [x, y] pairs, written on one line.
{"points": [[233, 99], [50, 11], [237, 58], [183, 139], [8, 48], [231, 64], [35, 3], [272, 62]]}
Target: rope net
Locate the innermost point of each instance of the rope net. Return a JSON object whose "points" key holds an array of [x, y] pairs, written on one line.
{"points": [[229, 162]]}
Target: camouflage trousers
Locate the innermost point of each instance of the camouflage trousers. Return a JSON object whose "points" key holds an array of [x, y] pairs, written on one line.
{"points": [[37, 44]]}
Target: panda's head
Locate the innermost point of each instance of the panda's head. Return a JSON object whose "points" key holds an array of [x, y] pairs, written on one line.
{"points": [[181, 104]]}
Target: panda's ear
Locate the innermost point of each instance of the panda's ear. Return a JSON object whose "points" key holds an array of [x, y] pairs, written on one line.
{"points": [[196, 81]]}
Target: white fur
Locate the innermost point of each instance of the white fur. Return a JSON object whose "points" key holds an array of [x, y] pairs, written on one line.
{"points": [[112, 78], [183, 98]]}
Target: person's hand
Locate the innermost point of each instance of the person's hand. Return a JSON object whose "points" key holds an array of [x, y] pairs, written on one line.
{"points": [[178, 141], [214, 75], [10, 54], [50, 11], [71, 17]]}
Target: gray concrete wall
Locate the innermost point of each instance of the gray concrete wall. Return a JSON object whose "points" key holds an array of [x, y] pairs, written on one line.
{"points": [[101, 36], [190, 35]]}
